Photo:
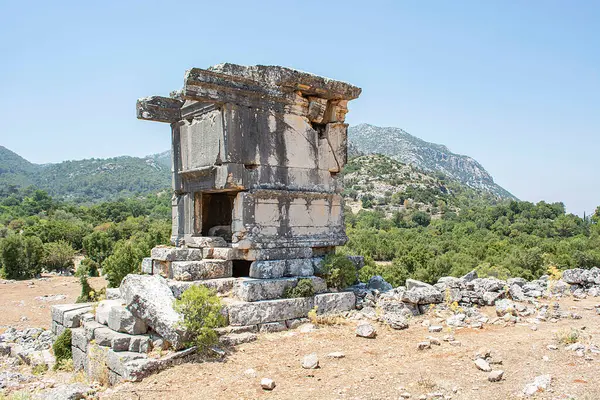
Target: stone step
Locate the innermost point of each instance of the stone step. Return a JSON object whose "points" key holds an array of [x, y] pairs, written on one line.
{"points": [[199, 270], [268, 269], [222, 286], [249, 289], [176, 254], [260, 312], [117, 341]]}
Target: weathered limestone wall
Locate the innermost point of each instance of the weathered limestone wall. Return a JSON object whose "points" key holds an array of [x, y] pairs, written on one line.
{"points": [[253, 130]]}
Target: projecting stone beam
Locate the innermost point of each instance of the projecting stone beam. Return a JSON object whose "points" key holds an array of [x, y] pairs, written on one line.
{"points": [[157, 108]]}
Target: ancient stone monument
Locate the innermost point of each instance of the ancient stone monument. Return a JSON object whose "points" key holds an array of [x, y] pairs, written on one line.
{"points": [[256, 206]]}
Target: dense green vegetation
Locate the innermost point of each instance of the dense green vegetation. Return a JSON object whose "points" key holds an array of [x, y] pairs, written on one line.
{"points": [[508, 239], [421, 225], [38, 232], [87, 181]]}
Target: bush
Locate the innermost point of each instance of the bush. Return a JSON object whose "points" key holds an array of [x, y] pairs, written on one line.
{"points": [[58, 256], [304, 288], [126, 259], [338, 271], [20, 256], [62, 347], [88, 267], [201, 310]]}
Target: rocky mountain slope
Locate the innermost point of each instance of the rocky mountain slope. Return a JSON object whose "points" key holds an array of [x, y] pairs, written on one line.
{"points": [[402, 146]]}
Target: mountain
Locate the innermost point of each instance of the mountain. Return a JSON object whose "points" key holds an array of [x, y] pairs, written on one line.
{"points": [[89, 180], [378, 181], [402, 146]]}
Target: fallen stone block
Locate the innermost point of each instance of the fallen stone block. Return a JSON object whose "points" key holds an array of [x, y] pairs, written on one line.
{"points": [[58, 311], [115, 361], [149, 298], [234, 339]]}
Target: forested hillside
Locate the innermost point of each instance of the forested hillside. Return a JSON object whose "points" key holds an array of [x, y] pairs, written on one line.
{"points": [[90, 180]]}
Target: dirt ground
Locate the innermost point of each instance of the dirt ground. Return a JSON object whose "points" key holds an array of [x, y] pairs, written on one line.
{"points": [[380, 368], [385, 367], [27, 303]]}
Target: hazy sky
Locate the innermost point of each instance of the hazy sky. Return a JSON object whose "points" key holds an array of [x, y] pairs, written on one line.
{"points": [[513, 84]]}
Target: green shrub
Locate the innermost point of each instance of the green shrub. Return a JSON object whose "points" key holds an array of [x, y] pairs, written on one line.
{"points": [[39, 369], [58, 256], [20, 256], [88, 267], [201, 310], [304, 288], [126, 259], [339, 272], [62, 347]]}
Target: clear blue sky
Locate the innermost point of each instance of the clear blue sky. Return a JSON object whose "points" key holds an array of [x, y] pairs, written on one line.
{"points": [[513, 84]]}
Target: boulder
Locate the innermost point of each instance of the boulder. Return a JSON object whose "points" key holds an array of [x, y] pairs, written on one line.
{"points": [[575, 276], [470, 276], [504, 307], [413, 283], [366, 330], [377, 282], [516, 293], [395, 321], [310, 361], [149, 298], [482, 365], [422, 295], [490, 298]]}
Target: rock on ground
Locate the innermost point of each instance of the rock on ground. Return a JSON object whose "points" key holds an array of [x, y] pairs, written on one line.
{"points": [[366, 330], [267, 384], [496, 375], [310, 361], [539, 383]]}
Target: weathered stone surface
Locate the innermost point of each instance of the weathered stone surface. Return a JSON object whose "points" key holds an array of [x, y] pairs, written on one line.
{"points": [[207, 242], [366, 330], [220, 286], [116, 360], [268, 289], [72, 319], [147, 266], [58, 311], [377, 282], [504, 307], [310, 361], [299, 267], [113, 293], [150, 299], [331, 303], [79, 339], [395, 321], [234, 339], [80, 358], [268, 311], [120, 319], [496, 375], [103, 310], [197, 270], [267, 269], [422, 295], [176, 254], [73, 391], [470, 276], [270, 327], [483, 365], [575, 276], [540, 383], [516, 292], [267, 384]]}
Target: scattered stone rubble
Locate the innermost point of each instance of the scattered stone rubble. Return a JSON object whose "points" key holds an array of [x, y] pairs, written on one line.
{"points": [[456, 299]]}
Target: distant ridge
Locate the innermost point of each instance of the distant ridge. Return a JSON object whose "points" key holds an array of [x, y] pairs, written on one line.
{"points": [[406, 148]]}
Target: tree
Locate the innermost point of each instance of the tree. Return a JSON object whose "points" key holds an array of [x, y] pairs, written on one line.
{"points": [[421, 218], [98, 245], [21, 256], [58, 256], [126, 259]]}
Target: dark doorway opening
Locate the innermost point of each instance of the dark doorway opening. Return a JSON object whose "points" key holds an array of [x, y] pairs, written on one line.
{"points": [[241, 268], [216, 214]]}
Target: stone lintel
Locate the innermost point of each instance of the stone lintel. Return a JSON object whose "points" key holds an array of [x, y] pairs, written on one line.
{"points": [[160, 109]]}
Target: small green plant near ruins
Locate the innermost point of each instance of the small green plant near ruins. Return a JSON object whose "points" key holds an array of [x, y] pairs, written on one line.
{"points": [[304, 288], [62, 348], [338, 271], [567, 336], [201, 310], [88, 294], [39, 369]]}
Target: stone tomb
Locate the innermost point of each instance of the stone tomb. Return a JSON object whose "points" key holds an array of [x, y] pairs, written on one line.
{"points": [[256, 206]]}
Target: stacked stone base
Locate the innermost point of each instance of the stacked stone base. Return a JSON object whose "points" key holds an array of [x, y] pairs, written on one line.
{"points": [[112, 341]]}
